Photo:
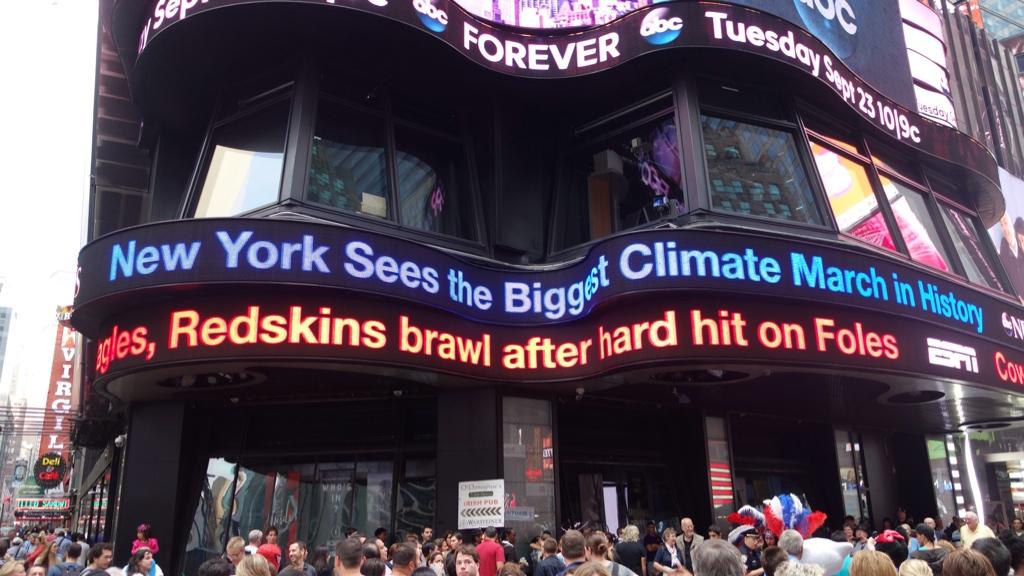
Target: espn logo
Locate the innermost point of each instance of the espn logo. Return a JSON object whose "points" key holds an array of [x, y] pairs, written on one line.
{"points": [[952, 355]]}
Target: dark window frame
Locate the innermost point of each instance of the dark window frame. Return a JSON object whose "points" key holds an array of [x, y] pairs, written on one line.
{"points": [[244, 108], [569, 145], [827, 222]]}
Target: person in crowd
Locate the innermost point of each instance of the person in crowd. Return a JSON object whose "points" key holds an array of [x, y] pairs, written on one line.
{"points": [[297, 554], [799, 569], [321, 561], [860, 538], [718, 558], [652, 543], [348, 557], [667, 560], [914, 567], [63, 541], [509, 569], [508, 545], [144, 539], [902, 517], [271, 550], [16, 544], [597, 551], [953, 529], [771, 558], [745, 538], [996, 553], [927, 550], [688, 541], [381, 534], [38, 549], [12, 568], [550, 564], [405, 560], [629, 551], [216, 567], [891, 544], [792, 543], [427, 533], [255, 541], [574, 551], [235, 550], [769, 539], [79, 538], [140, 562], [467, 560], [1016, 548], [714, 532], [848, 533], [37, 570], [1017, 526], [591, 569], [253, 565], [71, 565], [99, 559], [973, 530], [967, 562], [436, 562], [48, 559], [492, 555], [372, 567], [872, 563]]}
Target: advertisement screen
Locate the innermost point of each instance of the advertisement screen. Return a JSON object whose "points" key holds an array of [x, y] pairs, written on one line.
{"points": [[1008, 234]]}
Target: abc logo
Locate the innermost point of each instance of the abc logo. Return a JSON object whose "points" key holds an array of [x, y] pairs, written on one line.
{"points": [[659, 29], [832, 21], [434, 19]]}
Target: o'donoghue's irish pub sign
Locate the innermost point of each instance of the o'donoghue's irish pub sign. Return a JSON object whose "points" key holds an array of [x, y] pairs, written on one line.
{"points": [[669, 25], [215, 290]]}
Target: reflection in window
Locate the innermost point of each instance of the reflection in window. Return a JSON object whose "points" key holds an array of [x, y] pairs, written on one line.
{"points": [[211, 521], [416, 500], [719, 469], [915, 224], [851, 475], [621, 182], [429, 169], [349, 170], [754, 170], [529, 466], [852, 199], [244, 170], [964, 230]]}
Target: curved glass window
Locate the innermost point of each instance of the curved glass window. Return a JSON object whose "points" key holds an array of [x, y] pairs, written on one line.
{"points": [[243, 168], [966, 232], [852, 198], [353, 160], [620, 173], [915, 223], [348, 170], [756, 171], [429, 169]]}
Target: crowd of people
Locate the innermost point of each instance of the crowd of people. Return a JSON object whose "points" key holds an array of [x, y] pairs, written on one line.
{"points": [[759, 544]]}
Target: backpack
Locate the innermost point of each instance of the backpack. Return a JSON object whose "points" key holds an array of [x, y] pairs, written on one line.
{"points": [[70, 570]]}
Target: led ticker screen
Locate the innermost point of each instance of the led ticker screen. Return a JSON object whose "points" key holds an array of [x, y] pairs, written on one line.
{"points": [[835, 47], [672, 328], [211, 252]]}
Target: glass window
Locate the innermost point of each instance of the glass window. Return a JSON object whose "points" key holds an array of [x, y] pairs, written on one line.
{"points": [[755, 170], [243, 171], [964, 229], [621, 181], [210, 523], [719, 469], [920, 234], [529, 464], [942, 482], [851, 197], [416, 496], [430, 172], [851, 475], [348, 170]]}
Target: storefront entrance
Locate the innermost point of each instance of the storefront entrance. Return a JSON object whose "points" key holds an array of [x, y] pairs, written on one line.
{"points": [[630, 464]]}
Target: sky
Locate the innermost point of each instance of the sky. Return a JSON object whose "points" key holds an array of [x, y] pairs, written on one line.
{"points": [[48, 62]]}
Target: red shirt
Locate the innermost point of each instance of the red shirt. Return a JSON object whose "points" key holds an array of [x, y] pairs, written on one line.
{"points": [[490, 554]]}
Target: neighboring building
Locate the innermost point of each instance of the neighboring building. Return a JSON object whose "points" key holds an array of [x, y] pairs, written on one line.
{"points": [[344, 257]]}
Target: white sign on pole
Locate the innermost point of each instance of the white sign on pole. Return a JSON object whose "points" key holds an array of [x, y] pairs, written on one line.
{"points": [[481, 504]]}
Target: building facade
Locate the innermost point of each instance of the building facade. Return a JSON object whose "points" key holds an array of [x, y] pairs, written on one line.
{"points": [[347, 256]]}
